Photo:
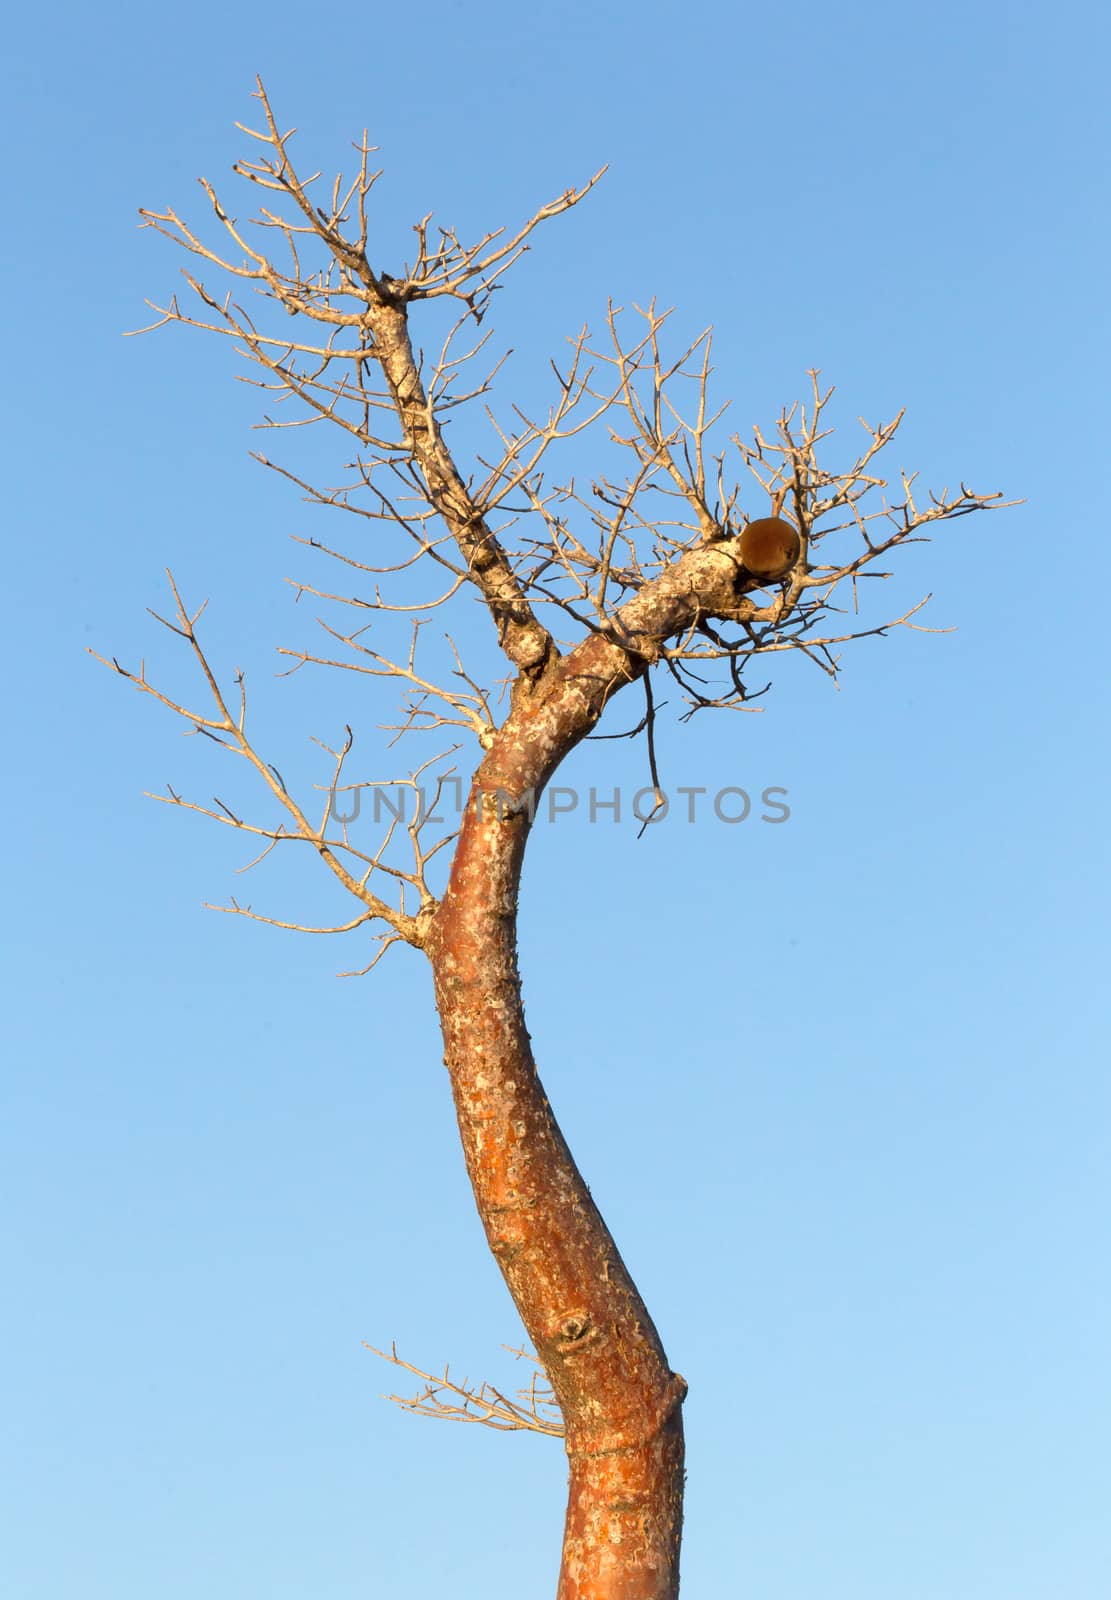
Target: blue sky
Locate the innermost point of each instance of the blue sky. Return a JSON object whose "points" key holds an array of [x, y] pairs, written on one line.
{"points": [[837, 1085]]}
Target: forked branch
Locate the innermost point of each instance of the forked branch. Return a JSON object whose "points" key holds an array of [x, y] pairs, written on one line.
{"points": [[352, 867], [533, 1411]]}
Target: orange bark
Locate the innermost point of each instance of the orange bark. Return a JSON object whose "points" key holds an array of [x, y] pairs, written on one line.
{"points": [[590, 1328]]}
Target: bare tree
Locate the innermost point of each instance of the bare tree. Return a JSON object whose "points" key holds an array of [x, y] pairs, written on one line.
{"points": [[653, 566]]}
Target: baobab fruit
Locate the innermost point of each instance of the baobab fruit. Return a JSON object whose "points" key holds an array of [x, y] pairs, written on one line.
{"points": [[769, 547]]}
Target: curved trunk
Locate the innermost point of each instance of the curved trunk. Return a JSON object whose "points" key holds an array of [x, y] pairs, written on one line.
{"points": [[591, 1330]]}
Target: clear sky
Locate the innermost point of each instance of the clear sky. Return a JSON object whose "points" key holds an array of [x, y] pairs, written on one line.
{"points": [[840, 1086]]}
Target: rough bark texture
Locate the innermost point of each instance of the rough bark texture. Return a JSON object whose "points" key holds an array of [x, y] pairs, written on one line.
{"points": [[620, 1400], [526, 643]]}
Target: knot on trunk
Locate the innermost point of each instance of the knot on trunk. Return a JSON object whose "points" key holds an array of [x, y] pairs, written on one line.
{"points": [[574, 1331]]}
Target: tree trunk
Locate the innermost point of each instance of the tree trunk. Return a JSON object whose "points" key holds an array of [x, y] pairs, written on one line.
{"points": [[591, 1330]]}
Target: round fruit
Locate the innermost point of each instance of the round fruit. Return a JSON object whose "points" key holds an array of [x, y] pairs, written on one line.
{"points": [[769, 547]]}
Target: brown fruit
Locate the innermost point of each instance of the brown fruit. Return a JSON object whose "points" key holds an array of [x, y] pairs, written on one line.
{"points": [[769, 547]]}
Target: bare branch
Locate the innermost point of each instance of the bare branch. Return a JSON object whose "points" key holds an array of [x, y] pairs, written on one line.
{"points": [[533, 1411], [230, 731]]}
